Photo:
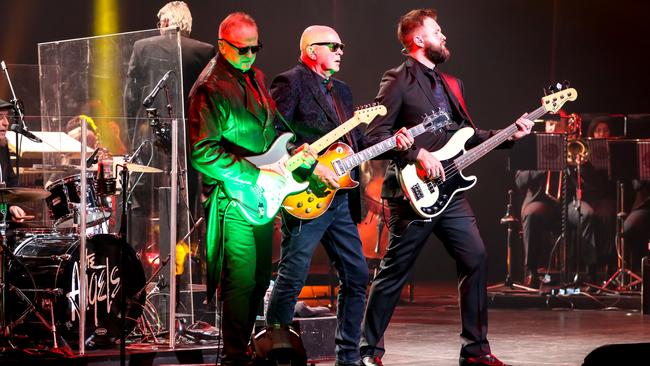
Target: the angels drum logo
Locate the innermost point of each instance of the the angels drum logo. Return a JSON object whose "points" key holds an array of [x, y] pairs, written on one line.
{"points": [[103, 284]]}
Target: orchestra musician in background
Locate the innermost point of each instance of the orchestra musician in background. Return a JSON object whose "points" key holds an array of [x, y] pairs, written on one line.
{"points": [[600, 192], [8, 176], [541, 212]]}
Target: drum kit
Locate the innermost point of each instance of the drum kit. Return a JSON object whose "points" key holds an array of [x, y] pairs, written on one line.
{"points": [[40, 278]]}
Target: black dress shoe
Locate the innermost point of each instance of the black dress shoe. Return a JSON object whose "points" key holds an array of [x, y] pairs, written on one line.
{"points": [[485, 360], [371, 361], [338, 363]]}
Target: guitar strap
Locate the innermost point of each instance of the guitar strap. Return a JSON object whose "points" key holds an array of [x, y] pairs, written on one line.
{"points": [[454, 88]]}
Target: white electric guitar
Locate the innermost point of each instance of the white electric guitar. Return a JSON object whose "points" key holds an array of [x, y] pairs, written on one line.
{"points": [[260, 202], [430, 197]]}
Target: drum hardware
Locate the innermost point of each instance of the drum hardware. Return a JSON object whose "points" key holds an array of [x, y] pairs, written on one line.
{"points": [[150, 318], [60, 290], [7, 196], [65, 199], [55, 258]]}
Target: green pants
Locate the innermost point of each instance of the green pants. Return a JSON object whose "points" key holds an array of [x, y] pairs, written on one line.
{"points": [[244, 271]]}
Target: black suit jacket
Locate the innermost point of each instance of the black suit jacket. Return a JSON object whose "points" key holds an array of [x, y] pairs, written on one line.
{"points": [[151, 58], [8, 174], [406, 93], [302, 102]]}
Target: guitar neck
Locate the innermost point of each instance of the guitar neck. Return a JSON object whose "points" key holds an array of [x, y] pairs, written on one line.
{"points": [[322, 143], [490, 144], [375, 150]]}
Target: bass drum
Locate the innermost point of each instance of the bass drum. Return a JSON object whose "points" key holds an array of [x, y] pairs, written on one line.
{"points": [[46, 271]]}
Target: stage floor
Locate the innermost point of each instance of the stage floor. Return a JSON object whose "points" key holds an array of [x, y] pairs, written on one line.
{"points": [[426, 332], [525, 329]]}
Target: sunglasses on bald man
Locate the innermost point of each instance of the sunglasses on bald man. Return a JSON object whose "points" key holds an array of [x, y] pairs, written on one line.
{"points": [[333, 46], [243, 50]]}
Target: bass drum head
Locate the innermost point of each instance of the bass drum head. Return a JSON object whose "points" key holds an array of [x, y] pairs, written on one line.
{"points": [[48, 273]]}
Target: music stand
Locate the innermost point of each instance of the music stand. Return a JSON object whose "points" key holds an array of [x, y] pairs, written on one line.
{"points": [[547, 152], [632, 152]]}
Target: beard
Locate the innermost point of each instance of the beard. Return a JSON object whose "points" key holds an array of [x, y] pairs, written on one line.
{"points": [[437, 55]]}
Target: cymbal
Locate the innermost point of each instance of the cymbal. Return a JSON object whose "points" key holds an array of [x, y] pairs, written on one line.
{"points": [[28, 170], [133, 168], [21, 194], [137, 168]]}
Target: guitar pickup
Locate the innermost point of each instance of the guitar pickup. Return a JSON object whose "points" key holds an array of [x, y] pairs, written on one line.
{"points": [[431, 186], [338, 167], [417, 192]]}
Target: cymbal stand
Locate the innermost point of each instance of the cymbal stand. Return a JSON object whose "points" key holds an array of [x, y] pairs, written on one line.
{"points": [[619, 278], [509, 220]]}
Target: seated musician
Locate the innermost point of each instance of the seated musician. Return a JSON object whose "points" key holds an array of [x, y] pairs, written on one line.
{"points": [[8, 176], [600, 192], [541, 212]]}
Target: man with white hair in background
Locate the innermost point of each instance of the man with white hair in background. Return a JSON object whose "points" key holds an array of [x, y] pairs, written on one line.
{"points": [[151, 58]]}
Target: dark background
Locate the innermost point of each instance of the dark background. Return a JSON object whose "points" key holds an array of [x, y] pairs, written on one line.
{"points": [[505, 51]]}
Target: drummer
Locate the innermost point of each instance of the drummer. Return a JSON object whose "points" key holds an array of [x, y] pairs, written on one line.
{"points": [[7, 174]]}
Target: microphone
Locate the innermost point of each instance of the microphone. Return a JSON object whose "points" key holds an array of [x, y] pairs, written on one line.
{"points": [[17, 128], [149, 99], [92, 159]]}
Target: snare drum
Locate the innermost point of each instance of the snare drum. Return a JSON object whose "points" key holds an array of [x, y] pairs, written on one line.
{"points": [[65, 200]]}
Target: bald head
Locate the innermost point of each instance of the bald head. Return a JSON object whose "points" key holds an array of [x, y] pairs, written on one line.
{"points": [[317, 34], [321, 50]]}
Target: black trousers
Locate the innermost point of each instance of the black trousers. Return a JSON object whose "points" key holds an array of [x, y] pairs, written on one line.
{"points": [[456, 228]]}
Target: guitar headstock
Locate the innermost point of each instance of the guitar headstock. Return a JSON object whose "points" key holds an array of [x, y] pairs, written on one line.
{"points": [[553, 102], [436, 121], [368, 112]]}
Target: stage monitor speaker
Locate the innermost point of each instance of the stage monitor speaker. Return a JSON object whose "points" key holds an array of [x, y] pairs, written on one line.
{"points": [[629, 159], [539, 151], [618, 354]]}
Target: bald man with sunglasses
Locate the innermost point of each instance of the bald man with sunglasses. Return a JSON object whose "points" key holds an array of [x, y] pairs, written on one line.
{"points": [[314, 103]]}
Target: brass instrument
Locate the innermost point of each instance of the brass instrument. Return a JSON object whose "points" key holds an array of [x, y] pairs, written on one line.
{"points": [[577, 151]]}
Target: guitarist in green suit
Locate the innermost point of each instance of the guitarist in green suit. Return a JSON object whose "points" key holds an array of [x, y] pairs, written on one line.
{"points": [[232, 117]]}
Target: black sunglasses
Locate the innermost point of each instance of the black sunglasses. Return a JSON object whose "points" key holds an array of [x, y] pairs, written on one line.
{"points": [[244, 50], [333, 46]]}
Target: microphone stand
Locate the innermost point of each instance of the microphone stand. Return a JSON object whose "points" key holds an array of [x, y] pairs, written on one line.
{"points": [[509, 220], [124, 176], [18, 109]]}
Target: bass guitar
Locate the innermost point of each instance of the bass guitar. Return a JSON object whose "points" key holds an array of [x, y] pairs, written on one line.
{"points": [[259, 203], [340, 157], [430, 197]]}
